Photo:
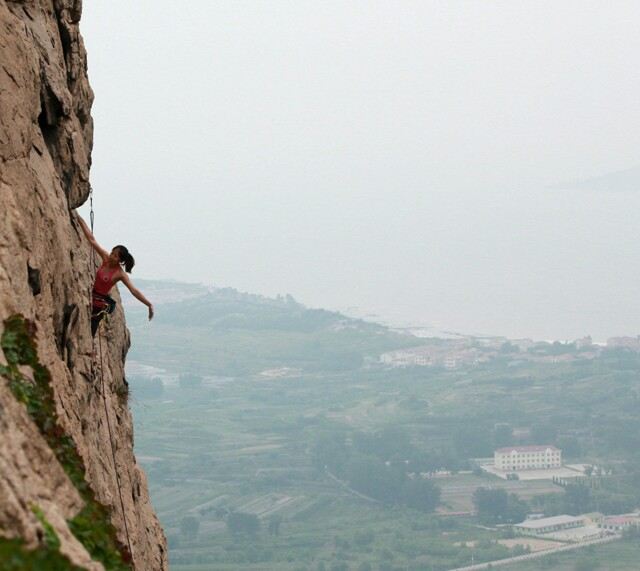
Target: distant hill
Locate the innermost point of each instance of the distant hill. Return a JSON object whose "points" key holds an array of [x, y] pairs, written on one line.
{"points": [[162, 292], [238, 333], [195, 305]]}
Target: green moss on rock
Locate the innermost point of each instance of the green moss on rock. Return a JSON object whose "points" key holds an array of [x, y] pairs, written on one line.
{"points": [[92, 526], [14, 556], [51, 539]]}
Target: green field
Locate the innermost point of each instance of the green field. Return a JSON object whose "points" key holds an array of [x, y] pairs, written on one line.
{"points": [[213, 448], [617, 556]]}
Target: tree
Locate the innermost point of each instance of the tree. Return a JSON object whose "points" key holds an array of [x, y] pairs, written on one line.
{"points": [[274, 524], [370, 476], [632, 532], [189, 527], [544, 433], [507, 348], [364, 537], [473, 442], [577, 499], [587, 564], [390, 442], [394, 441], [421, 494], [502, 435], [240, 523], [330, 450], [421, 461], [190, 381], [490, 504], [570, 447], [517, 509], [494, 506]]}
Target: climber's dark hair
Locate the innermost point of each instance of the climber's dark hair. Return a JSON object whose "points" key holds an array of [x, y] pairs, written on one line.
{"points": [[125, 258]]}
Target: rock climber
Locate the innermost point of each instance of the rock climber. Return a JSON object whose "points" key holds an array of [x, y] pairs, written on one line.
{"points": [[114, 268]]}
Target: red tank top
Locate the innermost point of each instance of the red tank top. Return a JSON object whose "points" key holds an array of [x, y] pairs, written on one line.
{"points": [[104, 280]]}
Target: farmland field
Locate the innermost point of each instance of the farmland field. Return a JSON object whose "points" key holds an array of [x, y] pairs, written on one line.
{"points": [[273, 440], [617, 556], [205, 455]]}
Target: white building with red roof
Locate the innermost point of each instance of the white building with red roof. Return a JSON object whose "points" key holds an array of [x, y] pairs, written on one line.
{"points": [[515, 458]]}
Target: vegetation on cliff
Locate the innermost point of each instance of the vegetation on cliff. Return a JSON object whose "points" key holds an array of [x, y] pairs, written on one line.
{"points": [[92, 526]]}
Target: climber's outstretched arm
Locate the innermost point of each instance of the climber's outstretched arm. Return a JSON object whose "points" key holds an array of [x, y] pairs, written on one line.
{"points": [[135, 292], [94, 244]]}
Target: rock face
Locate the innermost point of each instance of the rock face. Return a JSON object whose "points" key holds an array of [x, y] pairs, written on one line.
{"points": [[45, 275]]}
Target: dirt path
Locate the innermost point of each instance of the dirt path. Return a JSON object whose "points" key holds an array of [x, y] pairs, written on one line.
{"points": [[351, 490]]}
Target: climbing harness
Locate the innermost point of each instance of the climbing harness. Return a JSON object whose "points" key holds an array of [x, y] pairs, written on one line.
{"points": [[107, 311], [110, 304], [98, 314]]}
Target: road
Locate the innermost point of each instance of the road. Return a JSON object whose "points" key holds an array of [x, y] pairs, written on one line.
{"points": [[538, 555]]}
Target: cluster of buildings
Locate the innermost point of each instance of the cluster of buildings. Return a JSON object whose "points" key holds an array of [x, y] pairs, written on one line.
{"points": [[576, 528], [450, 354], [467, 351], [632, 343], [618, 523]]}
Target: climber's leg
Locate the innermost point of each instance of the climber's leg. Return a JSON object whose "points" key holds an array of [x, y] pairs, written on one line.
{"points": [[102, 305], [111, 304], [97, 313]]}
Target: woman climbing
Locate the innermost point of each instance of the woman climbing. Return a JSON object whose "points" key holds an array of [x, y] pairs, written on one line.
{"points": [[111, 271]]}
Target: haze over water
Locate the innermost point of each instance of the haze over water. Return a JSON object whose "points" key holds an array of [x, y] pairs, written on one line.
{"points": [[408, 159]]}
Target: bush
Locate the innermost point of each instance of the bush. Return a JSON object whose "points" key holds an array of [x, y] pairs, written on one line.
{"points": [[190, 381], [243, 523], [364, 537], [587, 565]]}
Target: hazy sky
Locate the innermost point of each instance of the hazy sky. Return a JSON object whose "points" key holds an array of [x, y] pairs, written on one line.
{"points": [[401, 157]]}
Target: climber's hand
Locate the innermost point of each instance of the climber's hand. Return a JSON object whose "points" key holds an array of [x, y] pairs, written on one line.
{"points": [[150, 312]]}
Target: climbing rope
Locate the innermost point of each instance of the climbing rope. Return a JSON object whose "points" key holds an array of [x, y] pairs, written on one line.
{"points": [[102, 390]]}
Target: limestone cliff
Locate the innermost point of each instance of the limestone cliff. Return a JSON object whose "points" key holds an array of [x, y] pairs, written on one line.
{"points": [[58, 487]]}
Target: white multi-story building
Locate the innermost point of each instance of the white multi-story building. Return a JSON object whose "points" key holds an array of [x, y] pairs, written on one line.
{"points": [[515, 458]]}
